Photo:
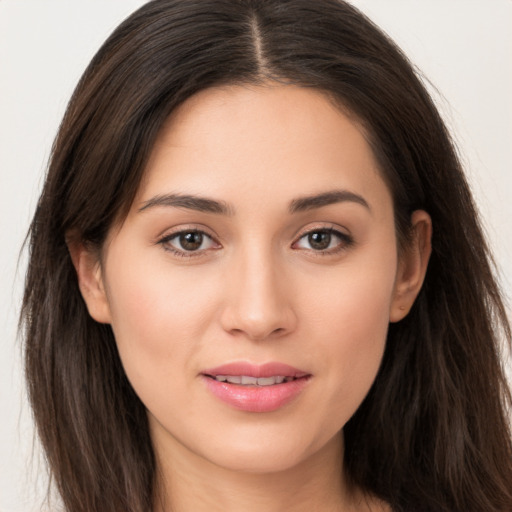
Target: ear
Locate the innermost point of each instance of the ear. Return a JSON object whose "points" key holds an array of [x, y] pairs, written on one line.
{"points": [[87, 264], [412, 266]]}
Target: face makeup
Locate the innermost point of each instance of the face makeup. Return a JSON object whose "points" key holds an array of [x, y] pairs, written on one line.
{"points": [[250, 287]]}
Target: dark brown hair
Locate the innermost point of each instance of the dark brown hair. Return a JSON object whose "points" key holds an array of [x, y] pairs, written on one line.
{"points": [[433, 433]]}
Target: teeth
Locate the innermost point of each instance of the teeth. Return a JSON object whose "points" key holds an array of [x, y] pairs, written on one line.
{"points": [[246, 380]]}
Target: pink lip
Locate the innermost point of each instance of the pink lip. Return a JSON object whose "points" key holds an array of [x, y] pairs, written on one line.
{"points": [[256, 398]]}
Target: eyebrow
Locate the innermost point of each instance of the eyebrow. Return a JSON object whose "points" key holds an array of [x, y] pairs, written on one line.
{"points": [[190, 202], [326, 198], [208, 205]]}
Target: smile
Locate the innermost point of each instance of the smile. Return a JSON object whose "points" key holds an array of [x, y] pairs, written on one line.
{"points": [[256, 388], [247, 380]]}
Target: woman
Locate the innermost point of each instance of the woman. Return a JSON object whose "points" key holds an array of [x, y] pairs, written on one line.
{"points": [[257, 278]]}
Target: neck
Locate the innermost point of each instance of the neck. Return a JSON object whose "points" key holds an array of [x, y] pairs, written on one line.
{"points": [[187, 482]]}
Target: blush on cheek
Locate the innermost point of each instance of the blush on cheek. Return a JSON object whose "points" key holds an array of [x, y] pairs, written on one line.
{"points": [[354, 333]]}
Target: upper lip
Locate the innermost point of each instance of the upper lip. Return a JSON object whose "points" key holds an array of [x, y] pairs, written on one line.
{"points": [[256, 370]]}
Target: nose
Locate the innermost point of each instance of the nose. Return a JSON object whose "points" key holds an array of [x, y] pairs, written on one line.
{"points": [[259, 302]]}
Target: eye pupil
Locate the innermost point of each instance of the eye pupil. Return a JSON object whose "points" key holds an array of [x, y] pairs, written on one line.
{"points": [[319, 240], [191, 241]]}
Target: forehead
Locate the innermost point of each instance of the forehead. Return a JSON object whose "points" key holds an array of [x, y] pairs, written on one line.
{"points": [[257, 140]]}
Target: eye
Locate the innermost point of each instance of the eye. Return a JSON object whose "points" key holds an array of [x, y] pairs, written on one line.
{"points": [[325, 240], [187, 242]]}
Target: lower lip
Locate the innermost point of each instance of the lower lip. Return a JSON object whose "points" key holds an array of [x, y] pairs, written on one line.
{"points": [[256, 398]]}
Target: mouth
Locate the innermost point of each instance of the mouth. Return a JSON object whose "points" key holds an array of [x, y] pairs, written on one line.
{"points": [[256, 388], [247, 380]]}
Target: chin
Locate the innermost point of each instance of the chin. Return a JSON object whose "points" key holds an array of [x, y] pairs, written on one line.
{"points": [[263, 455], [257, 461]]}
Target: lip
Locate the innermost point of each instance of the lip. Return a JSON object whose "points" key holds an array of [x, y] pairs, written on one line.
{"points": [[255, 370], [256, 398]]}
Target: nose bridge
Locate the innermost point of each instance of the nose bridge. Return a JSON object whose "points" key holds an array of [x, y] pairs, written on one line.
{"points": [[259, 302]]}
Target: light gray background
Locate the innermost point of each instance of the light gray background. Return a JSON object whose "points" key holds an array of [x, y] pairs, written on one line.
{"points": [[464, 47]]}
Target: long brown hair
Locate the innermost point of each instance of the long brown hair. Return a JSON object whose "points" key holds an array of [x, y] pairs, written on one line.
{"points": [[433, 433]]}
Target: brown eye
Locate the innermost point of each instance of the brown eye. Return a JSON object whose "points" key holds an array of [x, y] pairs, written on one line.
{"points": [[190, 241], [187, 242], [319, 240], [324, 241]]}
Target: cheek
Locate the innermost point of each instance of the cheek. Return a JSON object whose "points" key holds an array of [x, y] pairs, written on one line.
{"points": [[158, 318], [351, 324]]}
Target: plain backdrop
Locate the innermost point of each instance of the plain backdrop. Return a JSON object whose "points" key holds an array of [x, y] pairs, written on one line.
{"points": [[464, 47]]}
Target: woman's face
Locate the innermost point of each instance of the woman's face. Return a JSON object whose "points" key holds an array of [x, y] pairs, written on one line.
{"points": [[261, 244]]}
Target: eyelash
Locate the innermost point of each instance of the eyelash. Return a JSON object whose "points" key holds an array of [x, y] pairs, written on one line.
{"points": [[182, 253], [345, 241]]}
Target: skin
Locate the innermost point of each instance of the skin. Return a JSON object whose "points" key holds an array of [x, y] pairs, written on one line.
{"points": [[256, 290]]}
